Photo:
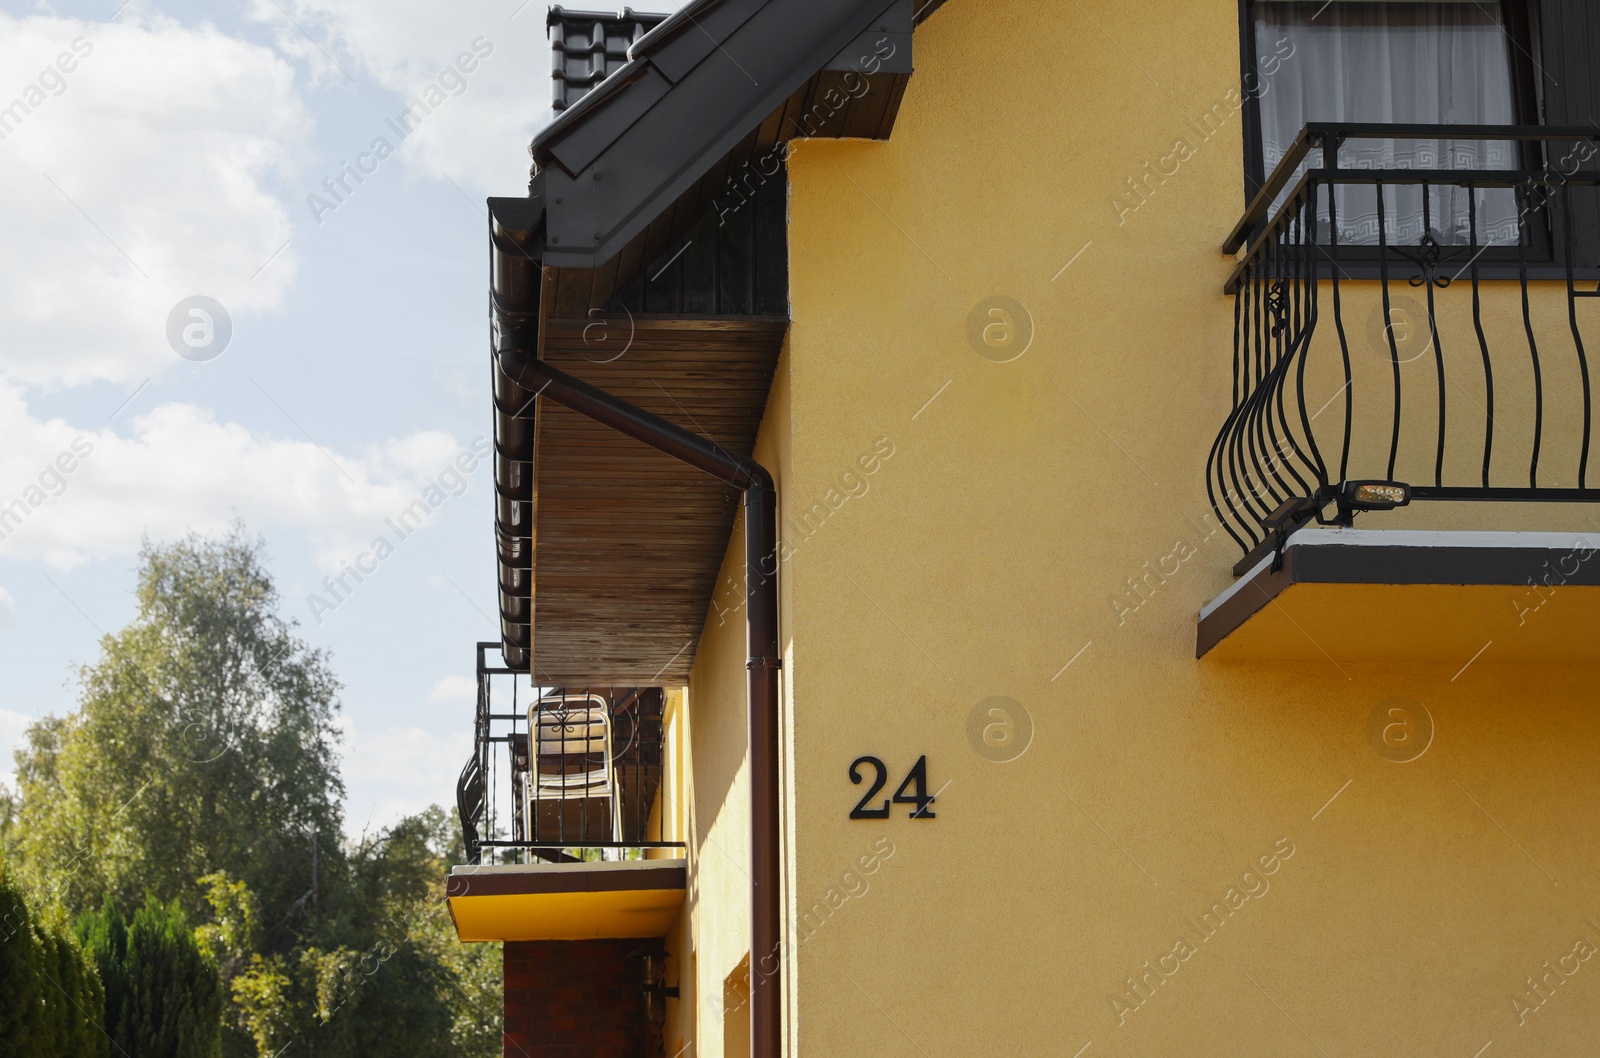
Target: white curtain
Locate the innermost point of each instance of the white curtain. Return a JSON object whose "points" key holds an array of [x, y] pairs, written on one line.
{"points": [[1402, 61]]}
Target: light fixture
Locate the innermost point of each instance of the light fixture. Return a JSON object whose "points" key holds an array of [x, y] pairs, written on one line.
{"points": [[1375, 495], [655, 969], [654, 957]]}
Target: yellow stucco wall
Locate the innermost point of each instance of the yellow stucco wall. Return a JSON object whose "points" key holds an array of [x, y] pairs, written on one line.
{"points": [[954, 531], [1404, 917], [712, 938]]}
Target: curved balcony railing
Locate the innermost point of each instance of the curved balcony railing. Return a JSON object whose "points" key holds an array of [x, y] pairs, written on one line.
{"points": [[1435, 347]]}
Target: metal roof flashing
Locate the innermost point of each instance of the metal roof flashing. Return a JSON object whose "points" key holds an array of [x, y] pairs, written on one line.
{"points": [[671, 26]]}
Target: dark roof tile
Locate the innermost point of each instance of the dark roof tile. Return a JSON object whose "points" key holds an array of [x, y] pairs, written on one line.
{"points": [[589, 46]]}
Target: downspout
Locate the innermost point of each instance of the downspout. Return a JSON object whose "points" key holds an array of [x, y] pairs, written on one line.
{"points": [[761, 634]]}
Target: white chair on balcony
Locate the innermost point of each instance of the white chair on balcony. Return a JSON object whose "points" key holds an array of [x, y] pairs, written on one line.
{"points": [[571, 786]]}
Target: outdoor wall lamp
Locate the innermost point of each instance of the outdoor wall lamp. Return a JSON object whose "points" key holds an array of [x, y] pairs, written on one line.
{"points": [[654, 960], [653, 963], [1375, 495]]}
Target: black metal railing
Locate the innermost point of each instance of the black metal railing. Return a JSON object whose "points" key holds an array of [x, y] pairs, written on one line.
{"points": [[561, 773], [1438, 389]]}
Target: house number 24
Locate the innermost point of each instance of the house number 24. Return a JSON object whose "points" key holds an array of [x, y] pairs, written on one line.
{"points": [[913, 790]]}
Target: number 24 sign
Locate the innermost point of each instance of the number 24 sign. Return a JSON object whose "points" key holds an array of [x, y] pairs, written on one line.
{"points": [[912, 791]]}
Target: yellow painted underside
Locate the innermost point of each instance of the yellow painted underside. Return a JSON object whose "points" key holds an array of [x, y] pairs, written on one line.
{"points": [[1422, 623], [566, 916]]}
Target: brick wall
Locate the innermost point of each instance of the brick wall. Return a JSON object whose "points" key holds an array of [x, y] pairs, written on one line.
{"points": [[575, 999]]}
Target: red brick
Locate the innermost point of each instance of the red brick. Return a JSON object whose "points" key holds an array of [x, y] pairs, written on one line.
{"points": [[574, 999]]}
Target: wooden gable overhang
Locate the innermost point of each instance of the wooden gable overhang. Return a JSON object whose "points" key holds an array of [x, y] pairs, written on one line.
{"points": [[650, 259]]}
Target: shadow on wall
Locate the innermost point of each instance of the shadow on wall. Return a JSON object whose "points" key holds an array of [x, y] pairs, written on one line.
{"points": [[736, 1001]]}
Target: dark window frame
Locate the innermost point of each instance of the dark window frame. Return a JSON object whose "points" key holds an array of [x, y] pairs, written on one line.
{"points": [[1522, 26], [1519, 17]]}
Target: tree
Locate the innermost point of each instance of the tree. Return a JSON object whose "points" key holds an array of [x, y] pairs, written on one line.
{"points": [[162, 993], [204, 742], [8, 819], [51, 1004], [373, 977], [197, 781]]}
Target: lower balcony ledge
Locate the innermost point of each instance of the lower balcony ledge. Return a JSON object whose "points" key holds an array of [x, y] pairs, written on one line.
{"points": [[566, 901], [1413, 596]]}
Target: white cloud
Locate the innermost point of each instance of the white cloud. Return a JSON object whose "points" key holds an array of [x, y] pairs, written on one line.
{"points": [[8, 611], [70, 495], [399, 771], [454, 690], [136, 172], [493, 102], [478, 139]]}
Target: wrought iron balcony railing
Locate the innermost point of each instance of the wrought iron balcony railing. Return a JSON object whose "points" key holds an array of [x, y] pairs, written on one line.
{"points": [[561, 773], [1411, 333]]}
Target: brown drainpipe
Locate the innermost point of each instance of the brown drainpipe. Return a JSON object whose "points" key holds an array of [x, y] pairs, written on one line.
{"points": [[761, 634]]}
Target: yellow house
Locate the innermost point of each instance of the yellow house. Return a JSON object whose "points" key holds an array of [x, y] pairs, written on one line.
{"points": [[1048, 527]]}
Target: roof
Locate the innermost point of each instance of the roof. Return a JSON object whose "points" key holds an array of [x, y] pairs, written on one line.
{"points": [[609, 551], [692, 90], [589, 46]]}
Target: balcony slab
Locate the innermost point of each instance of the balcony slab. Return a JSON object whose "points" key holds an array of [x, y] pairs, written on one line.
{"points": [[566, 901], [1413, 596]]}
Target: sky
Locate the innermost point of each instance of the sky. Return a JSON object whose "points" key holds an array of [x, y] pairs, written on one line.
{"points": [[238, 282]]}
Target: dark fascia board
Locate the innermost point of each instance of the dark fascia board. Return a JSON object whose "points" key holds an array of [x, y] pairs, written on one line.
{"points": [[627, 156], [539, 879], [1353, 556]]}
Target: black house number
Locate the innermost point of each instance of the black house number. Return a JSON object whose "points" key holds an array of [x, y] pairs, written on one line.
{"points": [[913, 790]]}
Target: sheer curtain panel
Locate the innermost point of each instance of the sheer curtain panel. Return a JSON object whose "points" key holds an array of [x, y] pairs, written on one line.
{"points": [[1395, 61]]}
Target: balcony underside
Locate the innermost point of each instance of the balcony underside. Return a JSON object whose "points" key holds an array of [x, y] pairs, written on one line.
{"points": [[567, 901], [1349, 595]]}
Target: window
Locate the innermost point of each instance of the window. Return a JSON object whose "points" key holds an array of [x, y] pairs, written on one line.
{"points": [[1469, 62], [1569, 94], [1396, 62], [1416, 62]]}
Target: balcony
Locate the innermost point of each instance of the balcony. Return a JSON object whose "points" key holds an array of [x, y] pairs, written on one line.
{"points": [[1407, 339], [562, 814]]}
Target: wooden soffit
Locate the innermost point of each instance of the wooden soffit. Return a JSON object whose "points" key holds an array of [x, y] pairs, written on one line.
{"points": [[628, 542]]}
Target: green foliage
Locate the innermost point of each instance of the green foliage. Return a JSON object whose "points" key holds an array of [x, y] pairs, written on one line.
{"points": [[378, 974], [197, 781], [480, 996], [233, 933], [203, 742], [8, 819], [267, 1005], [51, 1004], [162, 993]]}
